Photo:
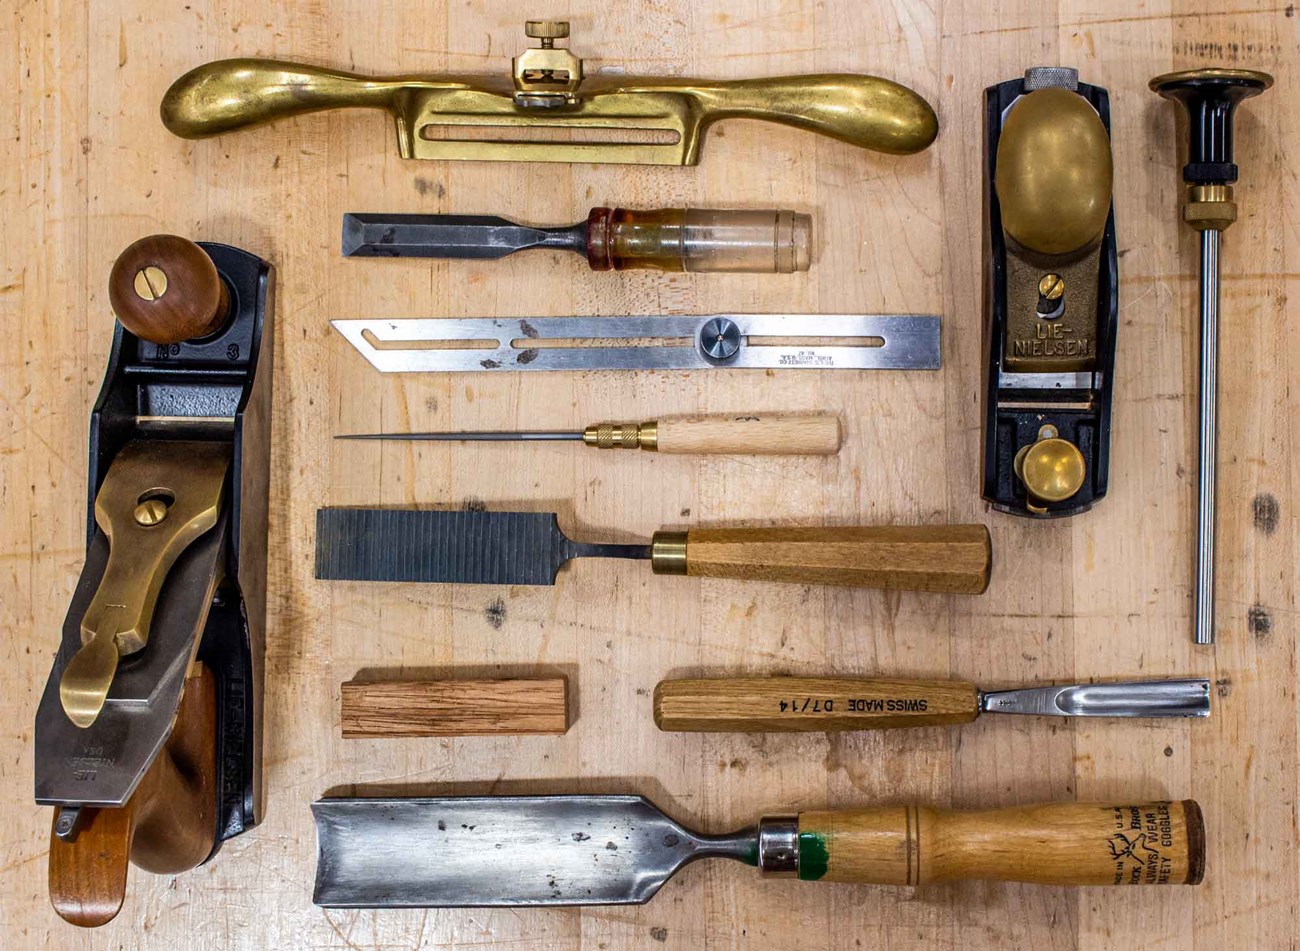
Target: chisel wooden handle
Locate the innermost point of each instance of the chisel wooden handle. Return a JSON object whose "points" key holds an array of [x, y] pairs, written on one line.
{"points": [[943, 558], [810, 704], [1151, 843], [719, 435]]}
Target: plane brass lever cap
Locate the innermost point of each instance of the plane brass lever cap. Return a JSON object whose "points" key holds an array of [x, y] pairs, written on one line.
{"points": [[1052, 469], [165, 289]]}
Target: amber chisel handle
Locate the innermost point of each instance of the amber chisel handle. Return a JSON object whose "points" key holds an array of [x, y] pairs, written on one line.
{"points": [[1067, 843], [749, 435], [943, 558], [233, 94], [866, 111], [809, 704]]}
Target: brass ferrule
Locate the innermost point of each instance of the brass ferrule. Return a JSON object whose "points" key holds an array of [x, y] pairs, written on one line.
{"points": [[668, 553], [1209, 207], [622, 436]]}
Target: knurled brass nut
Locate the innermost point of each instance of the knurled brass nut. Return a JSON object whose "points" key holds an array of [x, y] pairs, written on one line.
{"points": [[546, 29]]}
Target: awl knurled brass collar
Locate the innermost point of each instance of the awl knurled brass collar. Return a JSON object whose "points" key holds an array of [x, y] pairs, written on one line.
{"points": [[622, 436], [1209, 207], [668, 553]]}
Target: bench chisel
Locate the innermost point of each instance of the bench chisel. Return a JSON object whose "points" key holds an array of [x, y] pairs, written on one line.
{"points": [[618, 850], [663, 239]]}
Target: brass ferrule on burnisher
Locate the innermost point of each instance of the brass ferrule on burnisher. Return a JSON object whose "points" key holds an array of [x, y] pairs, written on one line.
{"points": [[1209, 207], [623, 436], [668, 553]]}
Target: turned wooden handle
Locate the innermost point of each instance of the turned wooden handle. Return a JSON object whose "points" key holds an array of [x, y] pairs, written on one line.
{"points": [[1152, 843], [810, 704], [944, 558], [168, 825], [751, 435]]}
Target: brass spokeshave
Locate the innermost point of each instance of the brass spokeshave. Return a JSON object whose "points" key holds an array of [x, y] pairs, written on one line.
{"points": [[549, 110], [148, 734], [1051, 294]]}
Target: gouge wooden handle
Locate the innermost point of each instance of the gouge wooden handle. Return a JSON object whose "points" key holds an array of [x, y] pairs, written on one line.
{"points": [[865, 111], [1152, 843], [943, 558], [810, 704], [233, 94]]}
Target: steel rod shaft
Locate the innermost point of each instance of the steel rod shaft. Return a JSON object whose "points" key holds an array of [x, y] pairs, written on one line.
{"points": [[1207, 474], [486, 436]]}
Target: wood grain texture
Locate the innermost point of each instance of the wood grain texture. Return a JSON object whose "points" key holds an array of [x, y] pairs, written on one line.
{"points": [[87, 168], [751, 435], [397, 708], [1153, 843], [810, 704], [946, 558]]}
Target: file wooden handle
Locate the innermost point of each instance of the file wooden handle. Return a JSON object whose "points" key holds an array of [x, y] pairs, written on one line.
{"points": [[941, 558]]}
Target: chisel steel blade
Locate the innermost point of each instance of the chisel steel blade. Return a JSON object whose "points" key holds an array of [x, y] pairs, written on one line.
{"points": [[472, 237], [449, 547], [501, 850]]}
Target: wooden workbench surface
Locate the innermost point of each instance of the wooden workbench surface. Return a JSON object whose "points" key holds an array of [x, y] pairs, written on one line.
{"points": [[86, 167]]}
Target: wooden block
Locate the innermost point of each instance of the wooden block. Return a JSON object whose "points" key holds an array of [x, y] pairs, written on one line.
{"points": [[397, 708]]}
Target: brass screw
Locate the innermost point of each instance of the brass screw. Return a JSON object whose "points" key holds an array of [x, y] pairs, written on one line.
{"points": [[1051, 286], [150, 512], [150, 282]]}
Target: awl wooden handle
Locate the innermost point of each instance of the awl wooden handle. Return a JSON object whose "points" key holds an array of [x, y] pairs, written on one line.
{"points": [[748, 435], [1152, 843], [810, 704], [942, 558]]}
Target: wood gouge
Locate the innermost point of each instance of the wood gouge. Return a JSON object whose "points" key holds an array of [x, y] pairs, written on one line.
{"points": [[616, 118], [470, 547], [716, 435], [662, 239], [817, 704], [618, 850]]}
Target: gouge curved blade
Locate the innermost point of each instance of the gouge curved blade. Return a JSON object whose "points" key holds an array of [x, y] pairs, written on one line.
{"points": [[503, 850], [740, 341]]}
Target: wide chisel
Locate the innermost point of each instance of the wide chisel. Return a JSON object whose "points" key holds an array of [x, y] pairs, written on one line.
{"points": [[821, 704], [611, 850], [746, 434], [525, 548]]}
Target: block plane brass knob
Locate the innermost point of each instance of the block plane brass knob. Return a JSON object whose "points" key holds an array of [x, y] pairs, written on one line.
{"points": [[166, 289]]}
